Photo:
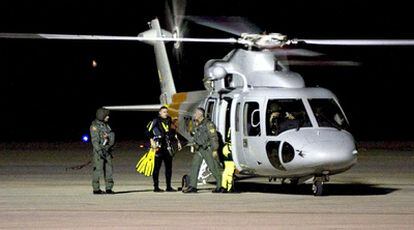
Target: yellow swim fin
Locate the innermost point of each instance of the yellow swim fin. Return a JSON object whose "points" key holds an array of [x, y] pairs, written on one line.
{"points": [[146, 164], [149, 167], [140, 167]]}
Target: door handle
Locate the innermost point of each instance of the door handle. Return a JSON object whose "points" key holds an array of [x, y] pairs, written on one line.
{"points": [[245, 143]]}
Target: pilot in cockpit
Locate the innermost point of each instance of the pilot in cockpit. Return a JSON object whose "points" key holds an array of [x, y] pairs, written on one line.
{"points": [[274, 118]]}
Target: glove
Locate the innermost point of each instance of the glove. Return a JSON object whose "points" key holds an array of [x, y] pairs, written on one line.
{"points": [[196, 147], [215, 155], [102, 153], [179, 146], [107, 148]]}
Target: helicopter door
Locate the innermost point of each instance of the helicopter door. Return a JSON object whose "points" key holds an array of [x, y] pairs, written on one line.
{"points": [[236, 125], [252, 141]]}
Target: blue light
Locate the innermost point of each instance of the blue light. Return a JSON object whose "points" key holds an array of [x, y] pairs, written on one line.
{"points": [[85, 138]]}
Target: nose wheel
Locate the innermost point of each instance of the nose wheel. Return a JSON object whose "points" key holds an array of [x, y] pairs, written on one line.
{"points": [[317, 186]]}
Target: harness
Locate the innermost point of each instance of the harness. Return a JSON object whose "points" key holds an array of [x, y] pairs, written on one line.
{"points": [[165, 126], [160, 132]]}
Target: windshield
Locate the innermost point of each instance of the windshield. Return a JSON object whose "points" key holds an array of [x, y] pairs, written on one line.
{"points": [[328, 113], [285, 114]]}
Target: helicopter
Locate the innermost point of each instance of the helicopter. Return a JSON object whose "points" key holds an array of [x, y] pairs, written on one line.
{"points": [[279, 128]]}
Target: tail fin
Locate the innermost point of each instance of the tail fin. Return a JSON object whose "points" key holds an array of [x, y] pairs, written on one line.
{"points": [[163, 65]]}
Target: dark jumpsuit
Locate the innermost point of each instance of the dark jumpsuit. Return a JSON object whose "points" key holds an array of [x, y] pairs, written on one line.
{"points": [[160, 131]]}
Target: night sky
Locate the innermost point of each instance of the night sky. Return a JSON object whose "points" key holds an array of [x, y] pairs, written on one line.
{"points": [[49, 90]]}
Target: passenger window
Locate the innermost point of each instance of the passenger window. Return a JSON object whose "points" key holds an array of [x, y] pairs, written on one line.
{"points": [[209, 110], [228, 80], [228, 116], [251, 119], [237, 116]]}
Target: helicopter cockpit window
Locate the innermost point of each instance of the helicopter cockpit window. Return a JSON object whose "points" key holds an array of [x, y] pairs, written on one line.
{"points": [[285, 114], [328, 113], [251, 119]]}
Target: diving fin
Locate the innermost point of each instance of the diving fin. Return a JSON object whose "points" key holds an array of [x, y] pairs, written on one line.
{"points": [[146, 164]]}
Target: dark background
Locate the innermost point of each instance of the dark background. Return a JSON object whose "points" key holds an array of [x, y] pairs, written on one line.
{"points": [[49, 90]]}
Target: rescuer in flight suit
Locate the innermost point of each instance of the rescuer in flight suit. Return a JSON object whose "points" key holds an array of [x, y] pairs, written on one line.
{"points": [[103, 140], [205, 145]]}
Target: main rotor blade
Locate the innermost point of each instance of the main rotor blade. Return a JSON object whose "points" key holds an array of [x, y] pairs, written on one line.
{"points": [[356, 42], [114, 38], [175, 11], [318, 63], [295, 52], [233, 25]]}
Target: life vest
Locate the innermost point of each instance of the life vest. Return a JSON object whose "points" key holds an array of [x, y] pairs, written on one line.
{"points": [[158, 128]]}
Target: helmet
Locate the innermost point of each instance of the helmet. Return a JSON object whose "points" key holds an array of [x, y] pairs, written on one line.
{"points": [[101, 113], [274, 107]]}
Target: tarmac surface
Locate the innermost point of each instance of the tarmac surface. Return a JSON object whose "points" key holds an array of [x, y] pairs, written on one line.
{"points": [[36, 192]]}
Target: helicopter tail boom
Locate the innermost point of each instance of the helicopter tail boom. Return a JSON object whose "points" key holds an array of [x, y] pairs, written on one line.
{"points": [[147, 108], [163, 65]]}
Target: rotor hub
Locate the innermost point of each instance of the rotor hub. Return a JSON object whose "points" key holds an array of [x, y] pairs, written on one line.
{"points": [[264, 41]]}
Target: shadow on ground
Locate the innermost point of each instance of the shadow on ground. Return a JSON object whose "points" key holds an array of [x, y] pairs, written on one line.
{"points": [[133, 191], [306, 189]]}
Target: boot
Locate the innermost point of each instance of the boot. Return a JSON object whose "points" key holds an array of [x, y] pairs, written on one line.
{"points": [[157, 189]]}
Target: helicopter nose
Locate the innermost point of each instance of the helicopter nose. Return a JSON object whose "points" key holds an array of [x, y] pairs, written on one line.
{"points": [[332, 155]]}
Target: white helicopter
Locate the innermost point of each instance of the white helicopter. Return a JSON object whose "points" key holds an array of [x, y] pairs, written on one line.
{"points": [[279, 128]]}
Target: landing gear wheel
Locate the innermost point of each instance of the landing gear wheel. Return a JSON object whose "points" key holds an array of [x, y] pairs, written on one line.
{"points": [[290, 182], [294, 182], [317, 188]]}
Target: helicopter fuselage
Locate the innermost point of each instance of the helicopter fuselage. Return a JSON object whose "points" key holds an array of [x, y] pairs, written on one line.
{"points": [[277, 126], [313, 137]]}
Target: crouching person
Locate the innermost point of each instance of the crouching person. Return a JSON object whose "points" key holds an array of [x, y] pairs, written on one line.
{"points": [[229, 166]]}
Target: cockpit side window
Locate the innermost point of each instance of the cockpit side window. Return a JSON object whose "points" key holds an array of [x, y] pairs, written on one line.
{"points": [[285, 114], [251, 115], [328, 113]]}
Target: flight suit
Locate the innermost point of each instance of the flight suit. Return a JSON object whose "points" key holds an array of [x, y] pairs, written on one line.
{"points": [[206, 142], [102, 153]]}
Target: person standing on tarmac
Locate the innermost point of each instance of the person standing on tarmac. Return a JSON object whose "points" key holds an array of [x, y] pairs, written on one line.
{"points": [[103, 140], [205, 146], [229, 166], [162, 138]]}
